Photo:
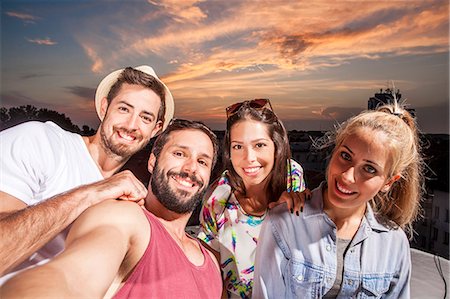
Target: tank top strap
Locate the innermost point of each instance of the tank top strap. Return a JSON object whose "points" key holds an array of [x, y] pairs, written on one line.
{"points": [[158, 227], [152, 219], [208, 262]]}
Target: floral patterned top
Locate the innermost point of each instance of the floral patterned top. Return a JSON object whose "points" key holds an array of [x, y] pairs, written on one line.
{"points": [[228, 229]]}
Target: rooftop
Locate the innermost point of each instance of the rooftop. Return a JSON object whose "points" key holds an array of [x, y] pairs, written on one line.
{"points": [[430, 275], [429, 278]]}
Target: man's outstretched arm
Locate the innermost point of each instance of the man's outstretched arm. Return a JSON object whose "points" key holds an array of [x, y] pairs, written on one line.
{"points": [[25, 230], [96, 246]]}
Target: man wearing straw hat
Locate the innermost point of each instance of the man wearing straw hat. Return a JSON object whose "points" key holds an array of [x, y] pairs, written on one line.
{"points": [[40, 161]]}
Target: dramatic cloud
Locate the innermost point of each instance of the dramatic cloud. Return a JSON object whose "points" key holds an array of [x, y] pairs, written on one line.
{"points": [[317, 61], [45, 41], [290, 35], [189, 40]]}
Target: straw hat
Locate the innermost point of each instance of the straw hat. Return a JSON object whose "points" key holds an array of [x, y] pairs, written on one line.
{"points": [[106, 84]]}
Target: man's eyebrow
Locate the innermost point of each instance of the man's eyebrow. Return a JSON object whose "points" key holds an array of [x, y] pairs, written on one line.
{"points": [[185, 147], [131, 106], [126, 103], [205, 155]]}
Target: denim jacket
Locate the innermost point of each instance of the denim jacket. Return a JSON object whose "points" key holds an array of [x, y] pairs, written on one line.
{"points": [[296, 256]]}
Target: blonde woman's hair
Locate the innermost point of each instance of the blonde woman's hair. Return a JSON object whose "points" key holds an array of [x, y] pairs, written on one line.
{"points": [[401, 204]]}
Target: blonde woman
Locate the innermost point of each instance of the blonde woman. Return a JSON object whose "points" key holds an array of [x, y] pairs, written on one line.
{"points": [[349, 241]]}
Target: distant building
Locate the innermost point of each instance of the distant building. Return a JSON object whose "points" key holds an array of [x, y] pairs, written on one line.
{"points": [[433, 229], [387, 96], [313, 161], [432, 232], [440, 222]]}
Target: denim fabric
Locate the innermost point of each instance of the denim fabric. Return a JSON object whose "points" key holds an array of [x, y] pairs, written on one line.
{"points": [[296, 256]]}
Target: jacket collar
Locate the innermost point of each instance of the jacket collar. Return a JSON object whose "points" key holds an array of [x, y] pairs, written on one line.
{"points": [[315, 208]]}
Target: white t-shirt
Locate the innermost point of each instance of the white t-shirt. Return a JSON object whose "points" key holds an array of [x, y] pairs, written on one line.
{"points": [[39, 160]]}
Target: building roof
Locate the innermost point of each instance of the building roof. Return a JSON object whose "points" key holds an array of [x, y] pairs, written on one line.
{"points": [[430, 275]]}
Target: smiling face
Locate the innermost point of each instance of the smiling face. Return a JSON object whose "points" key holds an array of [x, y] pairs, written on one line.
{"points": [[182, 171], [130, 120], [252, 151], [357, 170]]}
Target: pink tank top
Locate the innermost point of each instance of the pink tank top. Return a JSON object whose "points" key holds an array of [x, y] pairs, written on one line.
{"points": [[164, 271]]}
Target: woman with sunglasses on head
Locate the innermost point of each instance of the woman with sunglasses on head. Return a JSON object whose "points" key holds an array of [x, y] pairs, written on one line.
{"points": [[349, 241], [257, 158]]}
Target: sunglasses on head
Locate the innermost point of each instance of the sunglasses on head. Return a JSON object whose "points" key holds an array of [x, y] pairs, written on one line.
{"points": [[257, 104]]}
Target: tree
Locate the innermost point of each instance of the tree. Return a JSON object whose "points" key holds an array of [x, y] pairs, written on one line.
{"points": [[16, 115], [87, 131], [4, 115]]}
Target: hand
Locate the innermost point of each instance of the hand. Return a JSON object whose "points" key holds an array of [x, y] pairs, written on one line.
{"points": [[294, 200], [123, 185]]}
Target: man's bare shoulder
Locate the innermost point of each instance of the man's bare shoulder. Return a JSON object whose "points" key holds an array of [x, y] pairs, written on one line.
{"points": [[124, 215], [114, 210]]}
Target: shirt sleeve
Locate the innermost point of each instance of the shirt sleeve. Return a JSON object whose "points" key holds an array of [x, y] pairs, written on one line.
{"points": [[25, 161], [295, 178], [212, 214], [402, 288], [268, 279]]}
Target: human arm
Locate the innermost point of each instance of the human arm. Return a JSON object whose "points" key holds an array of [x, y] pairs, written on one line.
{"points": [[211, 214], [97, 244], [268, 279], [211, 218], [26, 229], [402, 288], [296, 192]]}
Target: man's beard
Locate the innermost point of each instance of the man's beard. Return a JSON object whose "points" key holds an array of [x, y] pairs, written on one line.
{"points": [[175, 201], [121, 150]]}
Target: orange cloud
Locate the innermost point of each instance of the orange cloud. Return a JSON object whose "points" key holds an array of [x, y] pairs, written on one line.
{"points": [[257, 49], [182, 11], [295, 34], [97, 65]]}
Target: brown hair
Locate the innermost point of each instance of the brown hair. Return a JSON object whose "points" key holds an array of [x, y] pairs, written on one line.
{"points": [[277, 180], [182, 124]]}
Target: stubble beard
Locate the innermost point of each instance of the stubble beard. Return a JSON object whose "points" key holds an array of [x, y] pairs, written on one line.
{"points": [[175, 201], [121, 150]]}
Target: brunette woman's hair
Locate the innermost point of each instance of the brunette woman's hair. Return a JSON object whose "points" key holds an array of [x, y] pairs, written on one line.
{"points": [[277, 178]]}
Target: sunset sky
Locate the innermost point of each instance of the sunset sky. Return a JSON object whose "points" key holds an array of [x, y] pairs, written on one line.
{"points": [[318, 61]]}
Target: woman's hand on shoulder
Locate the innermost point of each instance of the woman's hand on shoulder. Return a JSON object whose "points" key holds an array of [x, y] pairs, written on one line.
{"points": [[294, 200]]}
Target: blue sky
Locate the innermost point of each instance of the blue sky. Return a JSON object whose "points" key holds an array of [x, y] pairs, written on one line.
{"points": [[318, 61]]}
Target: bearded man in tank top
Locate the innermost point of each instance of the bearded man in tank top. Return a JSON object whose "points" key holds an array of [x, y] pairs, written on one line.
{"points": [[116, 249]]}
